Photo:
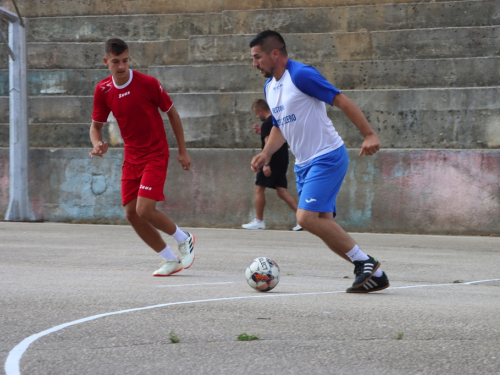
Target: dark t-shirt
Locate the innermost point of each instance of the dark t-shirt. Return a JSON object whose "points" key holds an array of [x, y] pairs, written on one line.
{"points": [[280, 157]]}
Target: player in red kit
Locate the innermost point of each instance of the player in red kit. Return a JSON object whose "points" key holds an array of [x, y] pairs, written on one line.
{"points": [[134, 99]]}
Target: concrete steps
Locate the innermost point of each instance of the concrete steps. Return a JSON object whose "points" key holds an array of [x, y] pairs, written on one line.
{"points": [[74, 55], [349, 75], [154, 27], [412, 118], [357, 46], [424, 72], [57, 8]]}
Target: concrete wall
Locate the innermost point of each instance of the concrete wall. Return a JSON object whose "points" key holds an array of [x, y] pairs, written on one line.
{"points": [[425, 73], [51, 8], [410, 191]]}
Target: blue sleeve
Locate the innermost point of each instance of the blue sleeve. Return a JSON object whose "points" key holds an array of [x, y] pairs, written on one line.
{"points": [[311, 82]]}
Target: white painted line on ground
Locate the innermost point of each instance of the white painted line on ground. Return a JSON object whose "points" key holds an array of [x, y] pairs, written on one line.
{"points": [[169, 286], [14, 357]]}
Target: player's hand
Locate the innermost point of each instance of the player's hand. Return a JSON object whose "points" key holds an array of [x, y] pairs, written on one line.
{"points": [[370, 145], [258, 161], [256, 128], [267, 170], [185, 160], [99, 150]]}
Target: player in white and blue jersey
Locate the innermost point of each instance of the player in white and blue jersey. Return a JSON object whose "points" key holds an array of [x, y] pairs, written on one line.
{"points": [[297, 95]]}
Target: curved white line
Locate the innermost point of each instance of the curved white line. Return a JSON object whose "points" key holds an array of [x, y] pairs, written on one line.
{"points": [[14, 357]]}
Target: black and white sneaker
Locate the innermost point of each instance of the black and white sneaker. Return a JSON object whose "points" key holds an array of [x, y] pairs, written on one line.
{"points": [[364, 269], [372, 285]]}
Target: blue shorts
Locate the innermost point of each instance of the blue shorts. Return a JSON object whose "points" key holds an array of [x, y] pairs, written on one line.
{"points": [[319, 182]]}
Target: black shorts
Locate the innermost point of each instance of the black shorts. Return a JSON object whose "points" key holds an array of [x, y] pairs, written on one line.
{"points": [[276, 179]]}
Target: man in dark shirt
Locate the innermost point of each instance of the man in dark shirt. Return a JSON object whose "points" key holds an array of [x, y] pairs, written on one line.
{"points": [[273, 173]]}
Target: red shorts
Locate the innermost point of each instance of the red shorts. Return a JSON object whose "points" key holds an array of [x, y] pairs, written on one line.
{"points": [[146, 180]]}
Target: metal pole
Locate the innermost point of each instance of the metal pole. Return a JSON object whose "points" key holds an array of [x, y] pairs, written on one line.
{"points": [[19, 205]]}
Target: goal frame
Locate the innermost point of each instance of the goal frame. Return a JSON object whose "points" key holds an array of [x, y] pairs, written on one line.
{"points": [[19, 208]]}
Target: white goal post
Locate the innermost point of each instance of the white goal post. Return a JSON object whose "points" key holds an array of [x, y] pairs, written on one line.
{"points": [[19, 204]]}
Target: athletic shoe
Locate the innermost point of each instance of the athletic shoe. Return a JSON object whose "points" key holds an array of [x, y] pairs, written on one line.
{"points": [[168, 267], [364, 269], [186, 249], [373, 285], [297, 228], [254, 225]]}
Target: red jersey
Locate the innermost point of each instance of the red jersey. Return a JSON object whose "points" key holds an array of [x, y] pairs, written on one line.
{"points": [[135, 107]]}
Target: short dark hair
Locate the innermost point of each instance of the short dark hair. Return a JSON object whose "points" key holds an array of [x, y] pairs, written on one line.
{"points": [[260, 104], [115, 46], [269, 40]]}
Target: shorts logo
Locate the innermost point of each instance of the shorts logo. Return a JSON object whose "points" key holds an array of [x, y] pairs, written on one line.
{"points": [[310, 200], [146, 187]]}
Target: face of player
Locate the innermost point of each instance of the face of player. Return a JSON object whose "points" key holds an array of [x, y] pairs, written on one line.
{"points": [[118, 66], [259, 113], [263, 61]]}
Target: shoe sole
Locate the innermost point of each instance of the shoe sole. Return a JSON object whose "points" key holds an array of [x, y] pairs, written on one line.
{"points": [[370, 290], [194, 255], [161, 275], [364, 282]]}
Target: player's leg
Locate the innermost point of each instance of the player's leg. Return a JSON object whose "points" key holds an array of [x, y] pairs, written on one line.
{"points": [[289, 199], [318, 185], [328, 230], [151, 191], [259, 202], [147, 232]]}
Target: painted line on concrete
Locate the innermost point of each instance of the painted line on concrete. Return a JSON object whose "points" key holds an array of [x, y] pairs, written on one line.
{"points": [[169, 286], [14, 357]]}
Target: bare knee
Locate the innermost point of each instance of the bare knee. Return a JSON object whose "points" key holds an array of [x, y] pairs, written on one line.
{"points": [[282, 192], [144, 213], [307, 219], [131, 214]]}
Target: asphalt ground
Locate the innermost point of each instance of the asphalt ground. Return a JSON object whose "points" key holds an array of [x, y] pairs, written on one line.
{"points": [[80, 299]]}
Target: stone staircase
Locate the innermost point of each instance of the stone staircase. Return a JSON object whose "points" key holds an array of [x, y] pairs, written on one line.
{"points": [[425, 73]]}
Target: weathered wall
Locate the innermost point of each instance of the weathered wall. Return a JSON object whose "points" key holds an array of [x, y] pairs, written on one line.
{"points": [[51, 8], [425, 73], [410, 191]]}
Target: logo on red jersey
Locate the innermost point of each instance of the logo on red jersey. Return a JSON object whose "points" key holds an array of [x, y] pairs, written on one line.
{"points": [[106, 86], [124, 94]]}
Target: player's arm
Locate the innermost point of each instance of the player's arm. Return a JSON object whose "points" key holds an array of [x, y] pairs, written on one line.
{"points": [[266, 169], [371, 144], [176, 124], [99, 148], [275, 141]]}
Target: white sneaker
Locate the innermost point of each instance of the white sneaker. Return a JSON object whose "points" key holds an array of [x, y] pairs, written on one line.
{"points": [[254, 224], [297, 228], [168, 267], [186, 249]]}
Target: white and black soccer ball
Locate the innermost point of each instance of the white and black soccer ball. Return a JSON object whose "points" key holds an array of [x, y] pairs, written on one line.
{"points": [[263, 274]]}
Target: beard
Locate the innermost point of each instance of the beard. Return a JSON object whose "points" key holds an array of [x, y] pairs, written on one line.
{"points": [[269, 74]]}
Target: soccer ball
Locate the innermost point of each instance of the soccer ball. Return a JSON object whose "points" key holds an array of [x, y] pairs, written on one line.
{"points": [[263, 274]]}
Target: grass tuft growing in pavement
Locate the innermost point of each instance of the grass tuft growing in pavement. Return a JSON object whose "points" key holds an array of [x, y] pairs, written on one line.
{"points": [[174, 339], [245, 337]]}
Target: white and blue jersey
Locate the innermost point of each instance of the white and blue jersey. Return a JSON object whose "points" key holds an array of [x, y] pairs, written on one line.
{"points": [[297, 101]]}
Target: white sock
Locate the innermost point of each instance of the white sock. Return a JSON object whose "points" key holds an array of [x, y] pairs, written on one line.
{"points": [[167, 254], [356, 254], [179, 235], [378, 273]]}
